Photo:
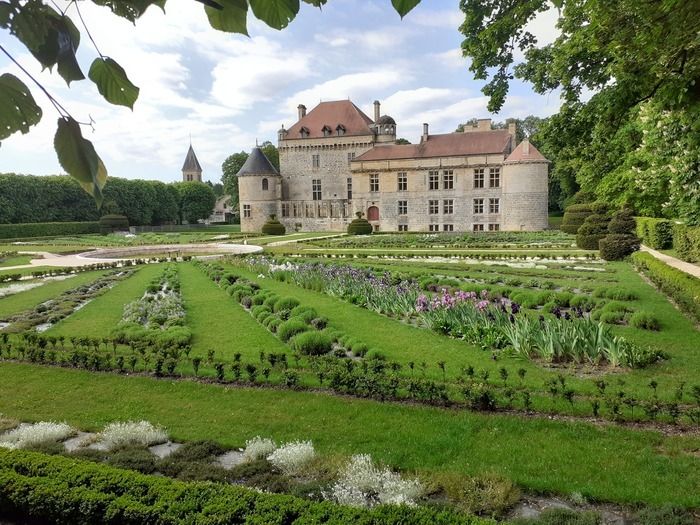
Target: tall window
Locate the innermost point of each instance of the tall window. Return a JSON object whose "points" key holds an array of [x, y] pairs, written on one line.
{"points": [[448, 180], [315, 161], [403, 227], [448, 206], [433, 207], [285, 209], [479, 177], [433, 180], [402, 181], [374, 182], [297, 209], [403, 207], [351, 156], [478, 227], [246, 211], [448, 227], [309, 211], [494, 227], [478, 206], [494, 177], [433, 227], [265, 185], [316, 189], [349, 188], [494, 205]]}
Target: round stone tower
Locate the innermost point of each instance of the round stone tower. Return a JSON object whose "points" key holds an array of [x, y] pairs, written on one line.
{"points": [[525, 190], [259, 191]]}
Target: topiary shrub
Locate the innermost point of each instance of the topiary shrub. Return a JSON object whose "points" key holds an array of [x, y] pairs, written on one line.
{"points": [[312, 343], [645, 321], [574, 216], [290, 328], [593, 229], [359, 226], [273, 227], [113, 223], [621, 240]]}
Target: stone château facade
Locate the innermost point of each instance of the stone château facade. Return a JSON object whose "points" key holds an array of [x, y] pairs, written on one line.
{"points": [[336, 161]]}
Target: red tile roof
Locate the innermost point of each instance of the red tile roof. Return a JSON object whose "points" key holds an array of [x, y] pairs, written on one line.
{"points": [[447, 145], [331, 114], [526, 152]]}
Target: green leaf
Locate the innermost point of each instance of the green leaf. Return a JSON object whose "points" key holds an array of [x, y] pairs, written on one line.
{"points": [[403, 7], [68, 38], [316, 3], [231, 18], [112, 82], [79, 158], [5, 13], [130, 9], [275, 13], [18, 111], [33, 25]]}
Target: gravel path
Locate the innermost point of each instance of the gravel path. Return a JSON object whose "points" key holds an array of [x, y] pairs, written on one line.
{"points": [[689, 268]]}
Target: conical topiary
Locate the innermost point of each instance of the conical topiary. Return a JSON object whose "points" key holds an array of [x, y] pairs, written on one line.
{"points": [[593, 229], [621, 240], [273, 227], [359, 226]]}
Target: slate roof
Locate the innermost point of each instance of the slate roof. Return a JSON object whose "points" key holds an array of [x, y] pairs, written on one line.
{"points": [[191, 162], [332, 114], [445, 145], [257, 164]]}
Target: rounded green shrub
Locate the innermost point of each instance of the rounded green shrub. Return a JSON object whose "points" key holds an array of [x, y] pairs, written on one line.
{"points": [[612, 317], [285, 304], [273, 324], [594, 228], [617, 246], [290, 328], [645, 321], [311, 343], [359, 226], [258, 311], [273, 227]]}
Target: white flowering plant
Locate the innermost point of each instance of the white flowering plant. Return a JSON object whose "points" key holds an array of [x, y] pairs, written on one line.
{"points": [[363, 484], [36, 434], [292, 457], [258, 448], [132, 433]]}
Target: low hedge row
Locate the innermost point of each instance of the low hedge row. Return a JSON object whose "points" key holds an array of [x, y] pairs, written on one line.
{"points": [[64, 490], [684, 289], [686, 242], [655, 233], [47, 229]]}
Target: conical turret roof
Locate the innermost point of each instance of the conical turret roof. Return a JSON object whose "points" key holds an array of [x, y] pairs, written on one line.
{"points": [[191, 162], [257, 164]]}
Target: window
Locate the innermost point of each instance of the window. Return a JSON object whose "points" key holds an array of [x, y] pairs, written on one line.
{"points": [[448, 227], [494, 227], [479, 178], [349, 188], [478, 206], [448, 180], [316, 189], [322, 210], [433, 180], [309, 211], [285, 209], [494, 177], [433, 228], [351, 157], [315, 161], [403, 227], [246, 211], [296, 209], [403, 207], [448, 206], [433, 207], [341, 130], [374, 182], [304, 132], [494, 205], [402, 181], [326, 131], [265, 185], [478, 227]]}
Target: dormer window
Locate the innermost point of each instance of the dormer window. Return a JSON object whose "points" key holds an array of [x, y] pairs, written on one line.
{"points": [[304, 132], [340, 129], [326, 131]]}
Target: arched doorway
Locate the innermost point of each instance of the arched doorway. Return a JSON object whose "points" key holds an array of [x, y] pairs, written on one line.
{"points": [[372, 213]]}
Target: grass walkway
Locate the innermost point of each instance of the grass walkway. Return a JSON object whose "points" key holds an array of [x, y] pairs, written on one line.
{"points": [[99, 317], [219, 323], [19, 302], [603, 463]]}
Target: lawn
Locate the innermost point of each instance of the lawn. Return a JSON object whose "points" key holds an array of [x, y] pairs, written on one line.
{"points": [[607, 463]]}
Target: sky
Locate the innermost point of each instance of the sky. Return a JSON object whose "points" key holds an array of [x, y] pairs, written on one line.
{"points": [[226, 91]]}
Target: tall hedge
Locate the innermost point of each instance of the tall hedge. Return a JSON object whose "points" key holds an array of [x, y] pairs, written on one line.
{"points": [[57, 489], [47, 229], [655, 233], [686, 242]]}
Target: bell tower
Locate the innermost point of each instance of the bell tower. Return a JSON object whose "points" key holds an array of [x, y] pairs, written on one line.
{"points": [[191, 169]]}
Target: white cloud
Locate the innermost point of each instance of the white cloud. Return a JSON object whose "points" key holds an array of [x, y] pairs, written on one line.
{"points": [[447, 18]]}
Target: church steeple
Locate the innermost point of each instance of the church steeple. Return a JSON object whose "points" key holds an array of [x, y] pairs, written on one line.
{"points": [[191, 169]]}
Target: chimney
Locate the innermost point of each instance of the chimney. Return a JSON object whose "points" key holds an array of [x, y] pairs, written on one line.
{"points": [[483, 124], [511, 128], [526, 146], [425, 132], [376, 110], [512, 132], [302, 111]]}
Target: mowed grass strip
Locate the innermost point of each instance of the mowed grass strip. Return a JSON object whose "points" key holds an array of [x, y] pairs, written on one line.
{"points": [[219, 323], [607, 463], [18, 302], [99, 317]]}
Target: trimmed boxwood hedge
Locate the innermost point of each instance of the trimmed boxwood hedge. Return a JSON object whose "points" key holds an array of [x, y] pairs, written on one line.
{"points": [[686, 242], [684, 289], [57, 489], [47, 229], [113, 223], [655, 233]]}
